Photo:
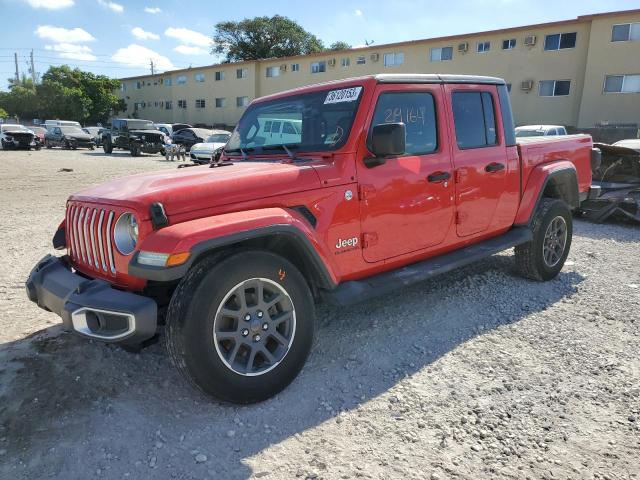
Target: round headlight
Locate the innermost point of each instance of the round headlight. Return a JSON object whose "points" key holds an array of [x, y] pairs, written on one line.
{"points": [[125, 234]]}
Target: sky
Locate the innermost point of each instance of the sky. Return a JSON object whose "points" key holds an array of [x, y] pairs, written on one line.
{"points": [[119, 38]]}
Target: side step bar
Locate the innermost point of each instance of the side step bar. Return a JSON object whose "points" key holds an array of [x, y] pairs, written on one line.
{"points": [[355, 291]]}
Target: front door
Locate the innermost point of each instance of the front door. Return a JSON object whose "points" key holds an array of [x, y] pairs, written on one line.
{"points": [[479, 157], [407, 202]]}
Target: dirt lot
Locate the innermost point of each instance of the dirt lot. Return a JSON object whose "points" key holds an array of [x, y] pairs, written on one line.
{"points": [[478, 374]]}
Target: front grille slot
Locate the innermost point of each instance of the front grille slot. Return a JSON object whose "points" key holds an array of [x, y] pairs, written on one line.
{"points": [[90, 231]]}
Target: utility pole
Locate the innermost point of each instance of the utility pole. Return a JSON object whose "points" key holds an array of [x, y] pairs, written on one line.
{"points": [[15, 57], [151, 62], [33, 70]]}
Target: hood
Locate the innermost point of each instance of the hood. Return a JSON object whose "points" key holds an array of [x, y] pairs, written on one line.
{"points": [[207, 147], [195, 188], [79, 136]]}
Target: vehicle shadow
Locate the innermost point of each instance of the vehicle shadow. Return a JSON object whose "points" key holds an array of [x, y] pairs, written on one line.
{"points": [[122, 413]]}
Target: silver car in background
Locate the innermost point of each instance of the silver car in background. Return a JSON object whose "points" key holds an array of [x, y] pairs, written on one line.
{"points": [[202, 152]]}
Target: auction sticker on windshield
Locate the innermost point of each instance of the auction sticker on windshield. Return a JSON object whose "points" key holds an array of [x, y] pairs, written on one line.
{"points": [[344, 95]]}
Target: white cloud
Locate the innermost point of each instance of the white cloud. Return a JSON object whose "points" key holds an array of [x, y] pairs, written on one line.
{"points": [[358, 12], [139, 56], [188, 37], [143, 34], [152, 10], [187, 50], [63, 35], [116, 7], [50, 4], [74, 52]]}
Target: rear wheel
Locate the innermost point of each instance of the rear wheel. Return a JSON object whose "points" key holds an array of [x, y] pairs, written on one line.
{"points": [[241, 328], [543, 257]]}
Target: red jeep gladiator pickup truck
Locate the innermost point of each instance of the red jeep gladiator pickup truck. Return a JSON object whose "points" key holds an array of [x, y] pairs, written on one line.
{"points": [[335, 192]]}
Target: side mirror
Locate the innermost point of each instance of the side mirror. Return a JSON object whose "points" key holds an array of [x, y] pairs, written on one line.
{"points": [[387, 139]]}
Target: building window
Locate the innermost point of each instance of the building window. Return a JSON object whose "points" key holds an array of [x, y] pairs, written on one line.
{"points": [[361, 60], [221, 102], [219, 76], [509, 44], [242, 73], [345, 62], [441, 54], [168, 105], [167, 82], [622, 84], [181, 79], [242, 101], [199, 77], [273, 71], [139, 85], [560, 41], [482, 47], [200, 103], [123, 87], [182, 104], [554, 88], [625, 32], [318, 67], [295, 67], [474, 119], [393, 59]]}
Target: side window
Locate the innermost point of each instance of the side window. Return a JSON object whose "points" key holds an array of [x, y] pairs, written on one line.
{"points": [[267, 126], [57, 131], [417, 111], [275, 127], [474, 118], [288, 128]]}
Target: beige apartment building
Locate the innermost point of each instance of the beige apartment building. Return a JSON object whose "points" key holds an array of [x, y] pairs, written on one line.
{"points": [[581, 73]]}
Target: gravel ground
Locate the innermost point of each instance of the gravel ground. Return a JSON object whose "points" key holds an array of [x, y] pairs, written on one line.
{"points": [[477, 374]]}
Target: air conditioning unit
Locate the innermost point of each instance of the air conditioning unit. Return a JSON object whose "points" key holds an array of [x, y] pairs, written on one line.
{"points": [[530, 40], [527, 85], [463, 47], [332, 62], [283, 67], [375, 57]]}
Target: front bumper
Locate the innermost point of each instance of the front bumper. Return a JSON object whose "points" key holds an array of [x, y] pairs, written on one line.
{"points": [[91, 308], [74, 143], [200, 157]]}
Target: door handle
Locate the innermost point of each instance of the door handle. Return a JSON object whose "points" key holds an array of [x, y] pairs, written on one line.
{"points": [[439, 177], [494, 167]]}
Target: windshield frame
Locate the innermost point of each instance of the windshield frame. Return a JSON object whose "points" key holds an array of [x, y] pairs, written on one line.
{"points": [[276, 149]]}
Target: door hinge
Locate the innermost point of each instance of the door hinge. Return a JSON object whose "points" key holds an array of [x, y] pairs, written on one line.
{"points": [[365, 192], [458, 218], [457, 175], [369, 239]]}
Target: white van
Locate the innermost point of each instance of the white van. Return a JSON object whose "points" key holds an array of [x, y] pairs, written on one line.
{"points": [[48, 124], [278, 131]]}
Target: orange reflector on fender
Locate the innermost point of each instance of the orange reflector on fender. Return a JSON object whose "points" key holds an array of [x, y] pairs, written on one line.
{"points": [[177, 259]]}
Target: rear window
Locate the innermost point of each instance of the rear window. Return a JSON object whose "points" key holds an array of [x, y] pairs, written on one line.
{"points": [[474, 119]]}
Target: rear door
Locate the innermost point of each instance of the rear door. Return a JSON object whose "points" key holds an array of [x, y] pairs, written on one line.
{"points": [[479, 156], [406, 204]]}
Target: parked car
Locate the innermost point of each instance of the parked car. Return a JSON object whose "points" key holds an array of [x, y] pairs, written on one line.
{"points": [[397, 178], [39, 131], [202, 152], [540, 130], [96, 134], [135, 135], [49, 124], [68, 137], [17, 136], [176, 127], [632, 143], [190, 136], [165, 128]]}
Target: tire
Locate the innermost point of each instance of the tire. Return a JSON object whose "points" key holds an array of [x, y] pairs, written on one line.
{"points": [[194, 323], [133, 149], [47, 144], [107, 147], [536, 261]]}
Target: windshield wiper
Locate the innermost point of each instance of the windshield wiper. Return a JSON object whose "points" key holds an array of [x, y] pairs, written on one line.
{"points": [[286, 148]]}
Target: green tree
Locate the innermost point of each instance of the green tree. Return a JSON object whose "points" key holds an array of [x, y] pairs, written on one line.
{"points": [[263, 37], [3, 113], [339, 45]]}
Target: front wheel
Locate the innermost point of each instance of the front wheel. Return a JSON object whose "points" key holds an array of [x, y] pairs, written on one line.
{"points": [[134, 150], [543, 257], [241, 328], [107, 147], [47, 144]]}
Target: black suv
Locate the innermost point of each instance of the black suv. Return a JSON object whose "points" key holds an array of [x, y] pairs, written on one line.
{"points": [[137, 136]]}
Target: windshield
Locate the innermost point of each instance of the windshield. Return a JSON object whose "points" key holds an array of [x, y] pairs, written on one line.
{"points": [[71, 130], [140, 125], [529, 133], [218, 138], [318, 121]]}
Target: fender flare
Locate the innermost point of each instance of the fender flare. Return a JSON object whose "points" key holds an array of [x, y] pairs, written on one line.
{"points": [[561, 173], [204, 235]]}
